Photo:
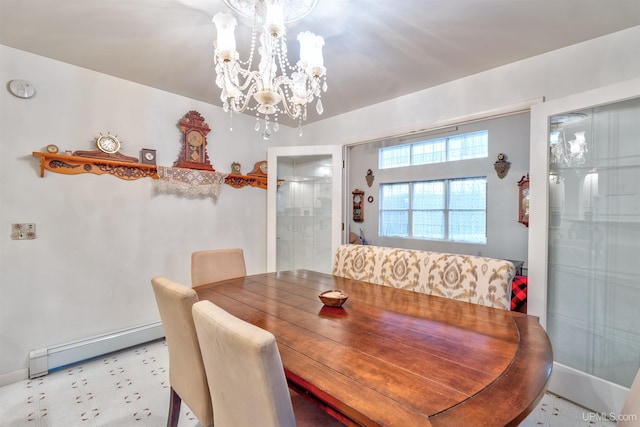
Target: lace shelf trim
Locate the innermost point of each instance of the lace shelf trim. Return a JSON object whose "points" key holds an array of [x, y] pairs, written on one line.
{"points": [[189, 183]]}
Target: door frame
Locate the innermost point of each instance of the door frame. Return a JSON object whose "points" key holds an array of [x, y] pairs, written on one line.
{"points": [[335, 151]]}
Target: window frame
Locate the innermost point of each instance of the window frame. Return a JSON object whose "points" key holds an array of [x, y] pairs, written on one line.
{"points": [[446, 209], [449, 154]]}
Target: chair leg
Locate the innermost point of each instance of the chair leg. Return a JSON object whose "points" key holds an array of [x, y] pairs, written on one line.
{"points": [[174, 409]]}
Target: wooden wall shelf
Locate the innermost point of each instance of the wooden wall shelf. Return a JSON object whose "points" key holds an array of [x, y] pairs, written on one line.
{"points": [[73, 165], [239, 181]]}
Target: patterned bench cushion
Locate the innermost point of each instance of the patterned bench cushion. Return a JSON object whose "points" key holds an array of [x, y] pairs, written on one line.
{"points": [[479, 280]]}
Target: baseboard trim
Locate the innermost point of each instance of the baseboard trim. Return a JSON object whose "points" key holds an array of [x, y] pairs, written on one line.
{"points": [[587, 390], [45, 360], [14, 377]]}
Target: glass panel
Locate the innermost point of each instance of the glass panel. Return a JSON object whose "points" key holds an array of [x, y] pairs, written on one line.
{"points": [[428, 224], [469, 146], [468, 226], [434, 151], [394, 196], [394, 210], [394, 223], [303, 223], [594, 240], [468, 193], [467, 205], [428, 195], [394, 157]]}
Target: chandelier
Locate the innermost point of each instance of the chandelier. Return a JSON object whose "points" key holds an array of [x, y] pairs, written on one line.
{"points": [[275, 87]]}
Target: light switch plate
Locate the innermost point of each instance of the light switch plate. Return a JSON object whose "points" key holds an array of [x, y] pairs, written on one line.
{"points": [[23, 231]]}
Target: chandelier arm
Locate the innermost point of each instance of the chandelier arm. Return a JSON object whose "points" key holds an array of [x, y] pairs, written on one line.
{"points": [[249, 77], [288, 82], [289, 113], [285, 102], [247, 98]]}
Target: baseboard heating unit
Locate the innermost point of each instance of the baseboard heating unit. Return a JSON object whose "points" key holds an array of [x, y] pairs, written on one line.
{"points": [[42, 361]]}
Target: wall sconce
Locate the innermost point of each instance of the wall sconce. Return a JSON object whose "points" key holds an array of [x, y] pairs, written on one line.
{"points": [[502, 166]]}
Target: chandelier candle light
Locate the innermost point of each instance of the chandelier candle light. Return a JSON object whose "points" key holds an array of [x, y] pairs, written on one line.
{"points": [[276, 86]]}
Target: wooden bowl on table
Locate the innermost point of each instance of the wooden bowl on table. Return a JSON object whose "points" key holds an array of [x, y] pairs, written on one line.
{"points": [[333, 298]]}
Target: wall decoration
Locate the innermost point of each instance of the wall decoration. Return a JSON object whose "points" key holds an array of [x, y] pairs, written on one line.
{"points": [[189, 183], [108, 148], [193, 154], [261, 168], [369, 177], [148, 156], [69, 164], [502, 166], [192, 175], [523, 200], [109, 144], [358, 207]]}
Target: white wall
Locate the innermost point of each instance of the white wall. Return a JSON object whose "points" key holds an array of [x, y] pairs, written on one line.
{"points": [[99, 238], [598, 62]]}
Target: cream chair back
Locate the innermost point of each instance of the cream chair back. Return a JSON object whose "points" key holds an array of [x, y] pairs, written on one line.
{"points": [[215, 265], [630, 414], [243, 362], [187, 376]]}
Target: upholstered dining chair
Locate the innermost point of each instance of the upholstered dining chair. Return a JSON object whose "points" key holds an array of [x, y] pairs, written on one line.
{"points": [[243, 362], [187, 376], [630, 412], [216, 264]]}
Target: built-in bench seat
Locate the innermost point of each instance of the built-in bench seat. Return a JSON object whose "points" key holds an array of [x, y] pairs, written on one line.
{"points": [[475, 279]]}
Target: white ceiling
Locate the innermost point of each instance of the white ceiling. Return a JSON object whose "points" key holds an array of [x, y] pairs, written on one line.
{"points": [[375, 49]]}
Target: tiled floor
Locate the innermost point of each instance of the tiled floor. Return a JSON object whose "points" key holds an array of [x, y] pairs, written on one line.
{"points": [[131, 388], [554, 411]]}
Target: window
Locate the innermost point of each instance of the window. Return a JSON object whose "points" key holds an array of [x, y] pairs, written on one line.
{"points": [[450, 209], [416, 203], [472, 145]]}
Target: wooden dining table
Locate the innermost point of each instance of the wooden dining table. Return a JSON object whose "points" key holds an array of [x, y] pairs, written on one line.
{"points": [[393, 357]]}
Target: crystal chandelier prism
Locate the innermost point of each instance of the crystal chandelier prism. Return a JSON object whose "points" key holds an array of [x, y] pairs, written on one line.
{"points": [[275, 87]]}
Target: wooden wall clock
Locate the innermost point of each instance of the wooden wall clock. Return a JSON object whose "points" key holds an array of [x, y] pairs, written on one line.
{"points": [[193, 154], [523, 200], [358, 206]]}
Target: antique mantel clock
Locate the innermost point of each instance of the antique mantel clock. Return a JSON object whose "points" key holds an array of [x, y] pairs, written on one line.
{"points": [[193, 154], [261, 168]]}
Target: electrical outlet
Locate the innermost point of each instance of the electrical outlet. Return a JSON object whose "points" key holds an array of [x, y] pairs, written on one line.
{"points": [[23, 231]]}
